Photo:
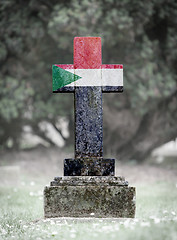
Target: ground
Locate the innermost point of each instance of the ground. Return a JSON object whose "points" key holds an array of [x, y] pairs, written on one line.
{"points": [[23, 176]]}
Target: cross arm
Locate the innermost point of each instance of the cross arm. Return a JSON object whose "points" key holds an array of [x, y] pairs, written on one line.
{"points": [[66, 78], [112, 78]]}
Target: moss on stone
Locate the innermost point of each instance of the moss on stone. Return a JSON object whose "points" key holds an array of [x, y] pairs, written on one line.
{"points": [[81, 201]]}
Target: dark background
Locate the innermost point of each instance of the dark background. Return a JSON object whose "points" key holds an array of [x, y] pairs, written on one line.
{"points": [[141, 35]]}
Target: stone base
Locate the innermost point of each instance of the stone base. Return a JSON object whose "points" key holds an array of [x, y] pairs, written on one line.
{"points": [[89, 167], [89, 197]]}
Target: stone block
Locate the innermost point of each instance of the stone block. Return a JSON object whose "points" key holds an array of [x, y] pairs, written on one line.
{"points": [[89, 197], [89, 167]]}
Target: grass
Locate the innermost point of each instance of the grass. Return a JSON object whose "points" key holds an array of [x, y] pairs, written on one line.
{"points": [[21, 216], [21, 202]]}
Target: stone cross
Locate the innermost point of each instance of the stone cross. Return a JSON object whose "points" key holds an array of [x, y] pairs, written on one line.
{"points": [[88, 78], [88, 187]]}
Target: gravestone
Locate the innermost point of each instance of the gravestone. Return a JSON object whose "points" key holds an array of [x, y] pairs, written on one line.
{"points": [[88, 187]]}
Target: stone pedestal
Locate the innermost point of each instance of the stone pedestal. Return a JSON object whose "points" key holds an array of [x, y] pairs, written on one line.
{"points": [[89, 196]]}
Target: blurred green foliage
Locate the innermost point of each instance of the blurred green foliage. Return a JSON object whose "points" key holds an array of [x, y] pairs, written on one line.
{"points": [[36, 34]]}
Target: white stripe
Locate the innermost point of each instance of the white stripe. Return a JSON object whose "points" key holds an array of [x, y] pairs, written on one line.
{"points": [[97, 77], [112, 77]]}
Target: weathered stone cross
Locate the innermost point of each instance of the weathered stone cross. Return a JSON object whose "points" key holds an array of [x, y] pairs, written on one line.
{"points": [[88, 187], [87, 78]]}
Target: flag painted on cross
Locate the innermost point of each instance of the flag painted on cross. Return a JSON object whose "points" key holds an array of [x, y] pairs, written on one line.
{"points": [[87, 70]]}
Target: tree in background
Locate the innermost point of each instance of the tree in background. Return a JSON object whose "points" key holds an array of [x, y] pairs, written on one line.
{"points": [[140, 35]]}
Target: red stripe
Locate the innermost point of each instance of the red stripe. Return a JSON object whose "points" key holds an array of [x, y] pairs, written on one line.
{"points": [[112, 66], [103, 66], [87, 52], [65, 66]]}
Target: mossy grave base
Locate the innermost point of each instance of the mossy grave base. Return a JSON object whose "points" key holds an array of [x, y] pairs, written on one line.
{"points": [[89, 196]]}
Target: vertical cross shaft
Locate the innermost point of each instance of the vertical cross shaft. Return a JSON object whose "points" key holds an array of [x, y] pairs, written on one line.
{"points": [[88, 115], [88, 122], [88, 101]]}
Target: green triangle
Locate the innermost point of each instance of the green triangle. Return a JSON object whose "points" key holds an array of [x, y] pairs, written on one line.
{"points": [[62, 77]]}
